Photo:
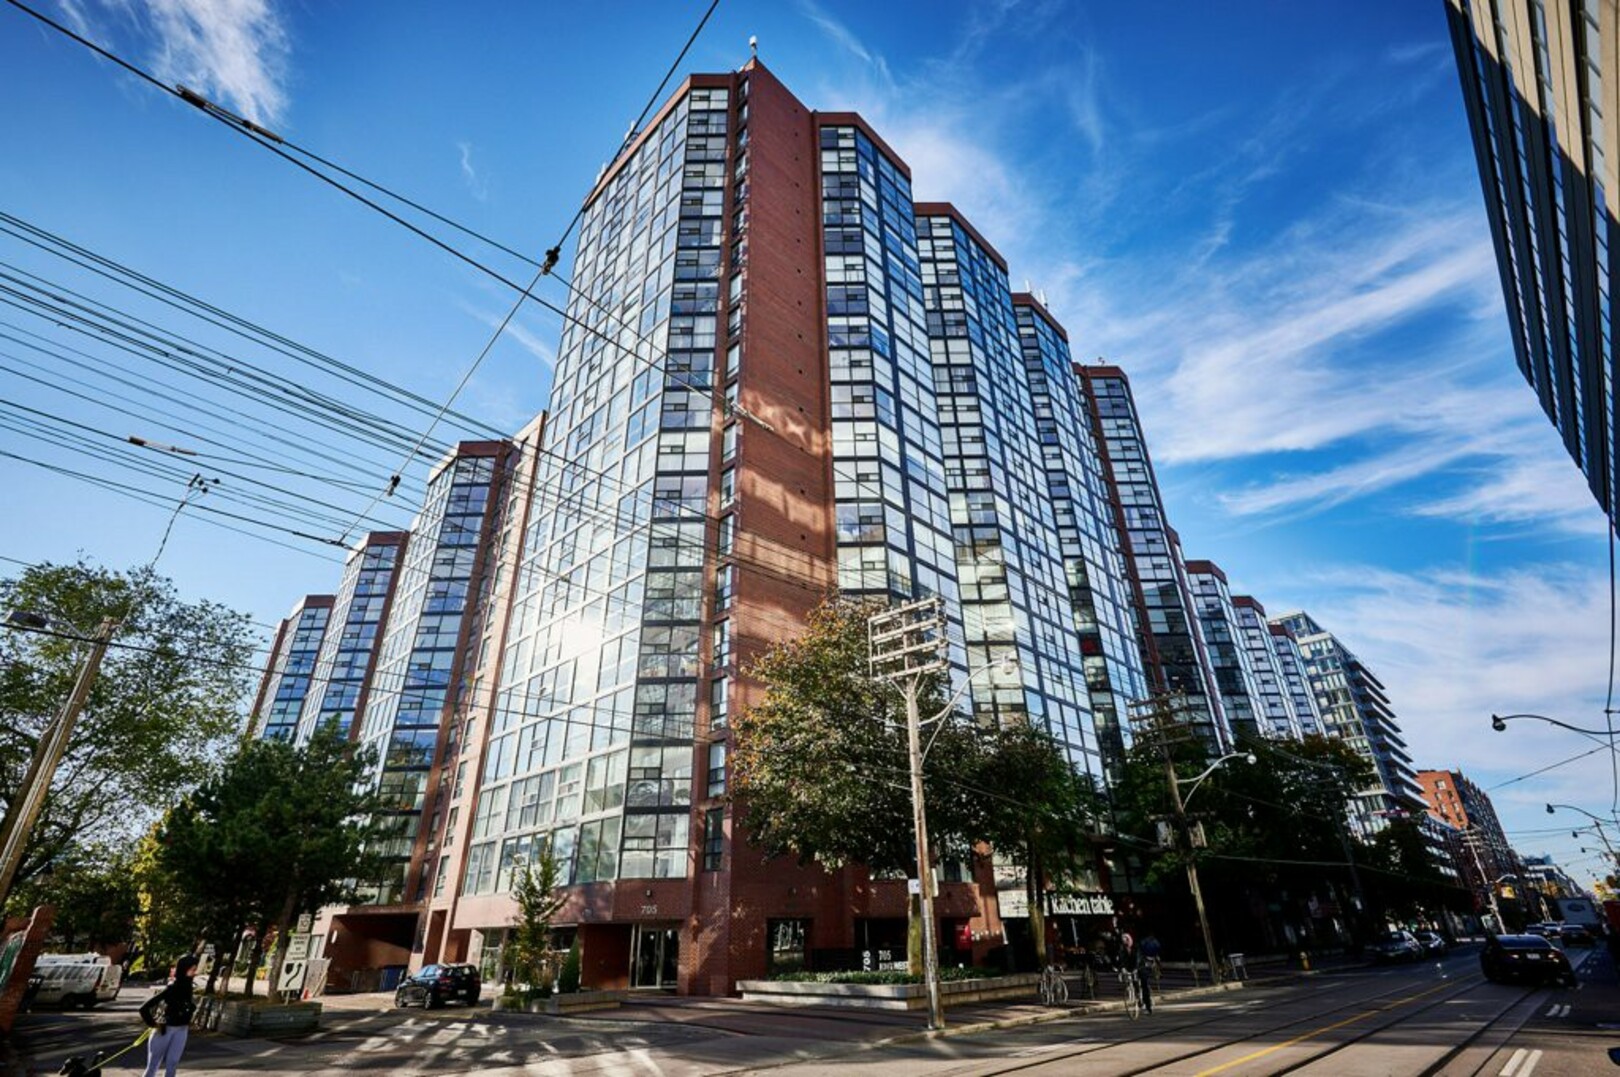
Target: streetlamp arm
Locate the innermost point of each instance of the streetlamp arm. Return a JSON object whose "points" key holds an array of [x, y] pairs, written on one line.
{"points": [[1007, 662], [1499, 723], [1196, 782]]}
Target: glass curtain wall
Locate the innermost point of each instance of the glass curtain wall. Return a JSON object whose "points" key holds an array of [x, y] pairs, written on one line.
{"points": [[592, 746], [1095, 567]]}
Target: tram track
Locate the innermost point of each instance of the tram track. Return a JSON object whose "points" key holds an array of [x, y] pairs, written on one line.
{"points": [[1395, 1003]]}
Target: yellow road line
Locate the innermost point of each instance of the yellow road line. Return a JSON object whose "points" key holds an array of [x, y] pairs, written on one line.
{"points": [[1318, 1031]]}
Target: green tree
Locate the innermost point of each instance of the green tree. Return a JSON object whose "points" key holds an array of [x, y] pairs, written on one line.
{"points": [[165, 704], [535, 891], [276, 831], [95, 894], [1036, 811], [819, 766]]}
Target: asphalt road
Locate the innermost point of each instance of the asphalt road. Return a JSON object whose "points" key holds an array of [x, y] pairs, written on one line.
{"points": [[1426, 1019], [1430, 1018]]}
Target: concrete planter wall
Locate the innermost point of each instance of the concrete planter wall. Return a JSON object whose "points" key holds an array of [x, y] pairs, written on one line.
{"points": [[888, 996], [559, 1005], [239, 1018], [583, 1001]]}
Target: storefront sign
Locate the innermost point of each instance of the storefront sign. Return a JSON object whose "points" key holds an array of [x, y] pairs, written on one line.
{"points": [[1015, 905]]}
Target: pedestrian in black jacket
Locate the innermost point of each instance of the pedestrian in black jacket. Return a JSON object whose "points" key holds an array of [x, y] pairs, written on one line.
{"points": [[168, 1014]]}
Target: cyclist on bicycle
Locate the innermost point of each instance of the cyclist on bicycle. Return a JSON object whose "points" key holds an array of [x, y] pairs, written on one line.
{"points": [[1132, 962]]}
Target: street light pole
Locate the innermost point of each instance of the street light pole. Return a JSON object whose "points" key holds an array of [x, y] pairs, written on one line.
{"points": [[1158, 713], [24, 809]]}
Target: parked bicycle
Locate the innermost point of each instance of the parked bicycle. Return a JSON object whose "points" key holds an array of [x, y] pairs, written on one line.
{"points": [[1054, 989]]}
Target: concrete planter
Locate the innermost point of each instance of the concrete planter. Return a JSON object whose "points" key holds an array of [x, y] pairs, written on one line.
{"points": [[243, 1018], [888, 996], [583, 1002]]}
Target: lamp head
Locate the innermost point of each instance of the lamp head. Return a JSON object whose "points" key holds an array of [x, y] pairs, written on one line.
{"points": [[1008, 665], [1250, 759], [1549, 809], [27, 619], [1497, 723]]}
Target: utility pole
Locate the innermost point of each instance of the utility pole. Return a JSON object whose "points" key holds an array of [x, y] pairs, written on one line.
{"points": [[904, 646], [24, 808], [1157, 715], [1471, 839]]}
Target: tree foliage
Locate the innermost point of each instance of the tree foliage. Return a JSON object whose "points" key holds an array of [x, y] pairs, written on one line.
{"points": [[819, 767], [165, 704], [534, 890], [94, 892], [276, 831]]}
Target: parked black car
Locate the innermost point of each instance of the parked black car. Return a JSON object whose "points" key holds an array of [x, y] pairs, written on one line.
{"points": [[437, 984], [1525, 957], [1395, 946]]}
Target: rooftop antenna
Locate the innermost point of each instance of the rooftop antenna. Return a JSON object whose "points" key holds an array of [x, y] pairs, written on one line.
{"points": [[753, 46]]}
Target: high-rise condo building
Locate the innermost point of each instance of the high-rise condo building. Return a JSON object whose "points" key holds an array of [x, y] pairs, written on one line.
{"points": [[290, 668], [1355, 709], [342, 679], [1541, 81], [1229, 658], [779, 376], [1171, 638], [1101, 591], [1278, 717]]}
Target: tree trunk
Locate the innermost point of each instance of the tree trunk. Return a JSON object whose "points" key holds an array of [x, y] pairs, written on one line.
{"points": [[289, 908], [1036, 892], [254, 957]]}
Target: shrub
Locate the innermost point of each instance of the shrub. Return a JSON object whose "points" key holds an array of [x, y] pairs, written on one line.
{"points": [[568, 979]]}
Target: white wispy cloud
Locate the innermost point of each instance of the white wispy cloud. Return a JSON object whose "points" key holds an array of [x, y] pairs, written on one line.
{"points": [[234, 51], [518, 331], [475, 183], [1454, 647]]}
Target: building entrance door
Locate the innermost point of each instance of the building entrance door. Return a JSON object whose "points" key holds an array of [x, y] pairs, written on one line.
{"points": [[654, 956]]}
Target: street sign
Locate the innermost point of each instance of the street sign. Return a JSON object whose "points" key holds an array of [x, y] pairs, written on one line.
{"points": [[305, 922], [298, 947], [292, 975]]}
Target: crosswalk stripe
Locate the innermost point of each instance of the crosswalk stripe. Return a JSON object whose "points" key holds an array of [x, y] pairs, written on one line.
{"points": [[1530, 1063], [1512, 1066]]}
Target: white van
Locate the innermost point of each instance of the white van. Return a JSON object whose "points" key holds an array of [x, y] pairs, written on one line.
{"points": [[77, 979]]}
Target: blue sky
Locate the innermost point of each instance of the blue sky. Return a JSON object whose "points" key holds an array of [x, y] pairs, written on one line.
{"points": [[1267, 213]]}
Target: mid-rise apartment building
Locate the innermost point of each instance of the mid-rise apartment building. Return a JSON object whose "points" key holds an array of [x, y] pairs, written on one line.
{"points": [[1355, 709], [290, 668], [1291, 665], [1486, 856], [1541, 82]]}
